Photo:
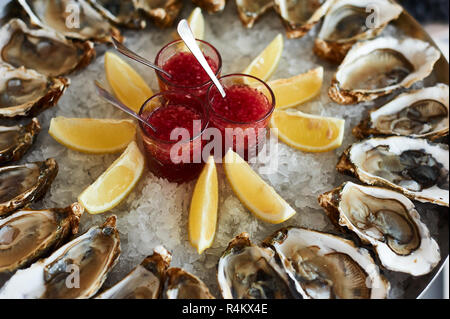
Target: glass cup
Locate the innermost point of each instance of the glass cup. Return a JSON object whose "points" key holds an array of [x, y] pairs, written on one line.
{"points": [[175, 47], [180, 159], [245, 136]]}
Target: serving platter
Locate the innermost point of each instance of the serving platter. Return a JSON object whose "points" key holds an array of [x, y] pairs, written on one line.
{"points": [[156, 212]]}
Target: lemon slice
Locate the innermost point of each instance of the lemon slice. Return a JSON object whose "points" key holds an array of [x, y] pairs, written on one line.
{"points": [[93, 136], [128, 86], [298, 89], [266, 63], [197, 23], [203, 211], [309, 133], [115, 183], [254, 193]]}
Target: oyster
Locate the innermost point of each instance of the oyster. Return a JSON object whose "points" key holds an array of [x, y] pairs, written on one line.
{"points": [[27, 93], [180, 284], [250, 10], [246, 271], [389, 222], [120, 12], [76, 270], [416, 167], [324, 266], [23, 184], [299, 16], [75, 19], [16, 140], [163, 12], [349, 21], [43, 50], [378, 67], [211, 5], [143, 282], [27, 235], [420, 113]]}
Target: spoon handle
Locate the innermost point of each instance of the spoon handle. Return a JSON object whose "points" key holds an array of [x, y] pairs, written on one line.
{"points": [[111, 99], [186, 34]]}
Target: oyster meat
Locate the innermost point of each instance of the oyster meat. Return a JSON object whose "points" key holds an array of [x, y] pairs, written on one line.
{"points": [[416, 167], [180, 284], [211, 6], [389, 222], [21, 185], [120, 12], [420, 113], [162, 12], [299, 16], [143, 282], [250, 10], [15, 141], [76, 270], [378, 67], [28, 235], [75, 19], [246, 271], [43, 50], [349, 21], [27, 93], [324, 266]]}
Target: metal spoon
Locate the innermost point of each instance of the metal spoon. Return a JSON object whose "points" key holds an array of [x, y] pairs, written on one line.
{"points": [[187, 36], [111, 99], [132, 55]]}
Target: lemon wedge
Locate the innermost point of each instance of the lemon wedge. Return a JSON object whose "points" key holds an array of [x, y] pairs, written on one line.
{"points": [[298, 89], [203, 211], [128, 86], [308, 133], [254, 193], [197, 23], [93, 136], [267, 61], [115, 183]]}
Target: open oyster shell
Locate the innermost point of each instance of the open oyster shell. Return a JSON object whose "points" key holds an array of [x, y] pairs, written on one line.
{"points": [[43, 50], [421, 113], [250, 10], [120, 12], [299, 16], [28, 235], [24, 184], [211, 6], [75, 19], [162, 12], [180, 284], [76, 270], [143, 282], [246, 271], [15, 141], [378, 67], [324, 266], [27, 93], [416, 167], [389, 222], [347, 22]]}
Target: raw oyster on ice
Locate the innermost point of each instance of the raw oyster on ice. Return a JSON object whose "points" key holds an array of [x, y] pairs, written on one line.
{"points": [[28, 235], [21, 185], [416, 167], [83, 262], [299, 16], [324, 266], [43, 50], [27, 93], [246, 271], [211, 5], [349, 21], [120, 12], [15, 141], [143, 282], [389, 222], [180, 284], [420, 113], [378, 67], [250, 10], [162, 12], [75, 19]]}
